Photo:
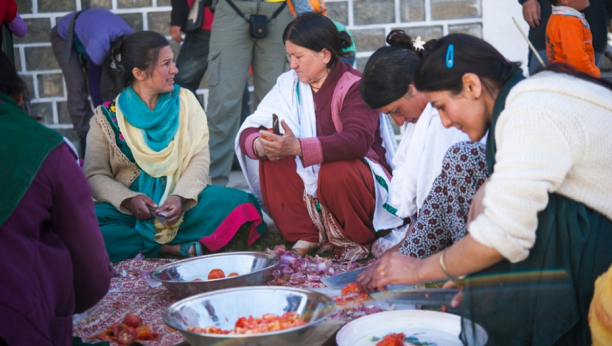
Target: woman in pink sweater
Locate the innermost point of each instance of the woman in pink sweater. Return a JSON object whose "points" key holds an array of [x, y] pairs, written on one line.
{"points": [[331, 154]]}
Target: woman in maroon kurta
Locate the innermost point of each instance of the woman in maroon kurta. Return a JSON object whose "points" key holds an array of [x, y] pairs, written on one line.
{"points": [[52, 257], [345, 186]]}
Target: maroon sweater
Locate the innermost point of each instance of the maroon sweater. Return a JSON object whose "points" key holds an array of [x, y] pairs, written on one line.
{"points": [[53, 262], [360, 136]]}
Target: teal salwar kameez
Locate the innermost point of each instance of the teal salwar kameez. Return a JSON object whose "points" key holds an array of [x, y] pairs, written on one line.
{"points": [[543, 300], [213, 221]]}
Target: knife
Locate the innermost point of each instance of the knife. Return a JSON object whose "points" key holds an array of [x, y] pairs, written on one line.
{"points": [[342, 279], [158, 217], [420, 296]]}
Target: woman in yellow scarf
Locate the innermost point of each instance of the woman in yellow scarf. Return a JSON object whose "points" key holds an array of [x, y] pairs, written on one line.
{"points": [[148, 159]]}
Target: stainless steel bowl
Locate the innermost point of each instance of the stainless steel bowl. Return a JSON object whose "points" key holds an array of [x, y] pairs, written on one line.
{"points": [[223, 308], [253, 269]]}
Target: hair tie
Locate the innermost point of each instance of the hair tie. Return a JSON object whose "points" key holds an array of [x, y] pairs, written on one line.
{"points": [[418, 44], [450, 56]]}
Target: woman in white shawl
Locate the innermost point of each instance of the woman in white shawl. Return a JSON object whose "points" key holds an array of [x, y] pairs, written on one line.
{"points": [[323, 180], [436, 171]]}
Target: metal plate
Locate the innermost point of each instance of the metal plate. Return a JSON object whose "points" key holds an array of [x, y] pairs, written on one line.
{"points": [[428, 326]]}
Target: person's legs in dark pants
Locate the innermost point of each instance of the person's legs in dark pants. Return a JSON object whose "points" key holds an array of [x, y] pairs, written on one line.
{"points": [[192, 61], [244, 113], [77, 90]]}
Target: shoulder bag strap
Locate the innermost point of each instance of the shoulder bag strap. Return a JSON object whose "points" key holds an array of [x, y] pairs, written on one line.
{"points": [[278, 11], [240, 13]]}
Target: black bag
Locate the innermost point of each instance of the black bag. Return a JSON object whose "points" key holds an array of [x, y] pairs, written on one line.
{"points": [[195, 17], [258, 23], [258, 27]]}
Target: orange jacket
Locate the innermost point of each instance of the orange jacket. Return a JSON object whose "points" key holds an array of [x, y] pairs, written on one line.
{"points": [[570, 41]]}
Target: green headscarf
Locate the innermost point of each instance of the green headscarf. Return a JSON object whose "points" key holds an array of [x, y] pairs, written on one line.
{"points": [[25, 145]]}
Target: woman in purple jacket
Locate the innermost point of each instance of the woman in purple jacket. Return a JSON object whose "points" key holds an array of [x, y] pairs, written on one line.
{"points": [[52, 257]]}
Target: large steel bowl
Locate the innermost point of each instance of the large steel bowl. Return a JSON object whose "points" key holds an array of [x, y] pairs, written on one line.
{"points": [[223, 308], [253, 268]]}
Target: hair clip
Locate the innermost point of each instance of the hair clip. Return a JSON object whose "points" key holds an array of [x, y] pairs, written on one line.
{"points": [[418, 44], [450, 56]]}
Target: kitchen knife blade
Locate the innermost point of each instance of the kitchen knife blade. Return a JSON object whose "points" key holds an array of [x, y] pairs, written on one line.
{"points": [[342, 279], [420, 296]]}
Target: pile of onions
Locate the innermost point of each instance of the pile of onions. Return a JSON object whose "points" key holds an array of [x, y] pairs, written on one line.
{"points": [[295, 269]]}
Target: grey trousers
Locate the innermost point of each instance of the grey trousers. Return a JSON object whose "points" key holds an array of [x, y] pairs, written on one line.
{"points": [[232, 50], [75, 76]]}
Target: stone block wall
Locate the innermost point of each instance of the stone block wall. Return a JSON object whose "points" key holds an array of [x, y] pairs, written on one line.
{"points": [[368, 20]]}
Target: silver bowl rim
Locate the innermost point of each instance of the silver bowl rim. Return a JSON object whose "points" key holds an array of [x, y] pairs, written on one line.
{"points": [[330, 303], [157, 271]]}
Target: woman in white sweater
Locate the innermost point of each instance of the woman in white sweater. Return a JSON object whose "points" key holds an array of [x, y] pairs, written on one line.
{"points": [[543, 230]]}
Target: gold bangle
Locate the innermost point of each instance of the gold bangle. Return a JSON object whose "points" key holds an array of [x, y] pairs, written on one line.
{"points": [[453, 278]]}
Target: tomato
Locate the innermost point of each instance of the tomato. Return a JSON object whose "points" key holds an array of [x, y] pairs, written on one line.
{"points": [[125, 334], [232, 274], [198, 279], [393, 339], [350, 288], [132, 320], [216, 274], [104, 336]]}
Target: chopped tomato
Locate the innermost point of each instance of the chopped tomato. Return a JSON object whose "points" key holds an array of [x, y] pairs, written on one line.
{"points": [[393, 339], [216, 274], [198, 279], [232, 274], [125, 334], [350, 288], [252, 325]]}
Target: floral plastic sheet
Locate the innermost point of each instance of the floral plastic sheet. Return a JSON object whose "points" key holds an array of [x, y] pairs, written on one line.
{"points": [[130, 292]]}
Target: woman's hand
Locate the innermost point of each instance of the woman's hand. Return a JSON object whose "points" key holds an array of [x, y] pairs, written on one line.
{"points": [[173, 208], [277, 147], [365, 280], [139, 206], [457, 299], [396, 269]]}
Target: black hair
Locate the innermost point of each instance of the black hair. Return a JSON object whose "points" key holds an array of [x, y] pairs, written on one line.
{"points": [[390, 70], [140, 50], [470, 55], [316, 32], [11, 84], [560, 67]]}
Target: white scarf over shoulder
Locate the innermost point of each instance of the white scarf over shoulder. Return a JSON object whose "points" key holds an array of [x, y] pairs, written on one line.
{"points": [[418, 161], [292, 101]]}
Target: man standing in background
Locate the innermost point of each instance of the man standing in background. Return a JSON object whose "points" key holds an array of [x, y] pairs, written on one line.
{"points": [[232, 51], [192, 60]]}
